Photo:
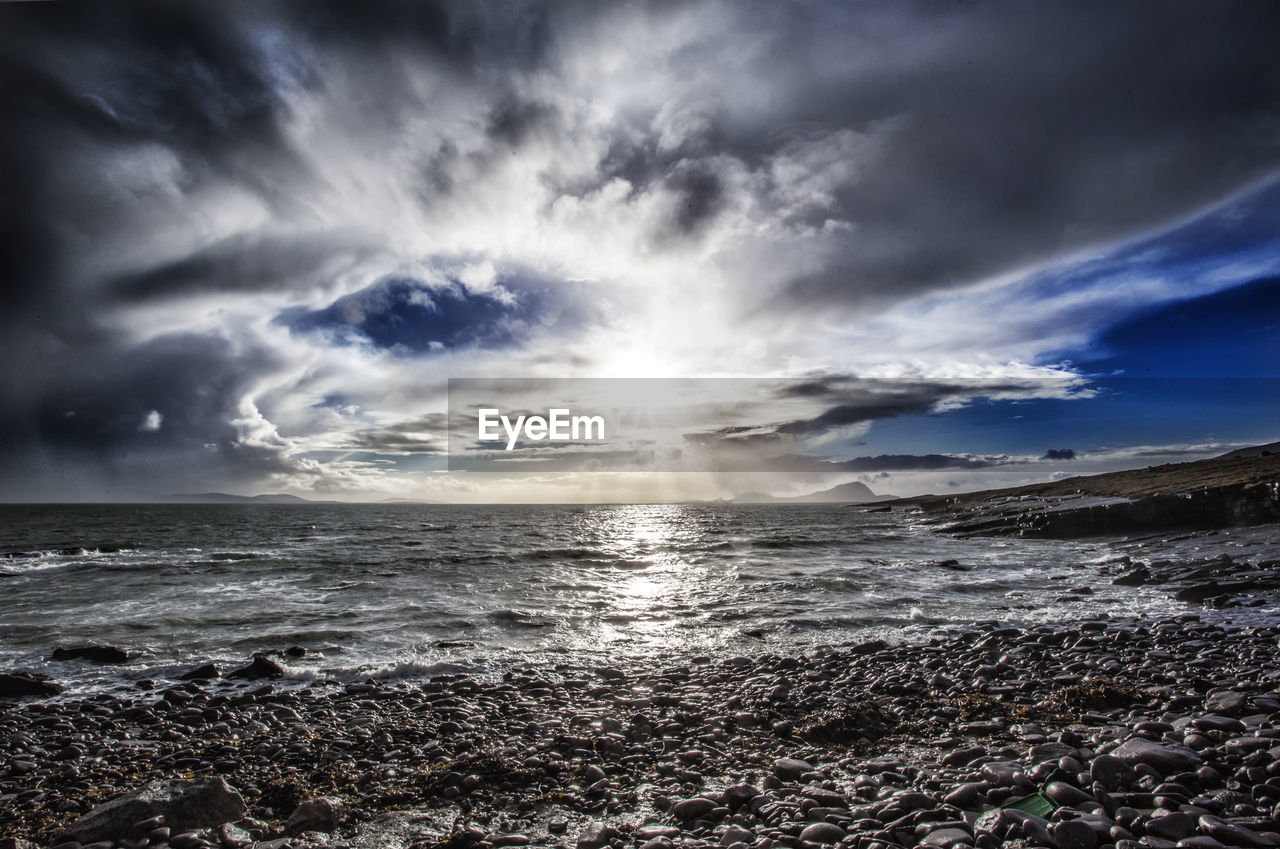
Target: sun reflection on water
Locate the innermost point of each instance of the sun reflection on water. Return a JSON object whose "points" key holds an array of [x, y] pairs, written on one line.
{"points": [[649, 588]]}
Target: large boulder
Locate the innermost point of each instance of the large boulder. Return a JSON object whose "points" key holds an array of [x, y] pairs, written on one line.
{"points": [[320, 814], [261, 667], [96, 654], [185, 806], [19, 685], [205, 671]]}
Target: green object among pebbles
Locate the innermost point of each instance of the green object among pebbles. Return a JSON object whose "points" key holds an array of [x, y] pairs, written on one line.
{"points": [[1037, 804]]}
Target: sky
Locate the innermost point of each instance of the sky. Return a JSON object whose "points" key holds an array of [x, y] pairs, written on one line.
{"points": [[244, 246]]}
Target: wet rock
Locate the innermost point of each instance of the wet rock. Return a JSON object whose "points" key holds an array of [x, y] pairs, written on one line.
{"points": [[1200, 841], [1164, 759], [790, 769], [692, 809], [21, 685], [822, 832], [1074, 834], [948, 836], [97, 654], [1065, 794], [1111, 772], [868, 647], [229, 835], [261, 667], [967, 796], [1134, 578], [183, 804], [1173, 826], [960, 757], [1216, 722], [1226, 702], [1232, 834], [1050, 752], [583, 743], [739, 794], [205, 671], [1001, 773], [320, 814], [595, 835]]}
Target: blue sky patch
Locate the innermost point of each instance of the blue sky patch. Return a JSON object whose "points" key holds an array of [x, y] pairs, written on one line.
{"points": [[1229, 334], [404, 313]]}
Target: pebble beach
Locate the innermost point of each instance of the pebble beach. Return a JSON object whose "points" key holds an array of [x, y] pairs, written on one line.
{"points": [[1110, 732]]}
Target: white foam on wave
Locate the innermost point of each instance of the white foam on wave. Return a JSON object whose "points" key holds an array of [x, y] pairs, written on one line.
{"points": [[22, 563], [391, 670]]}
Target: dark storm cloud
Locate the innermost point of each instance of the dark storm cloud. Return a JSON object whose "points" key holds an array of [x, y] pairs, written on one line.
{"points": [[854, 400], [697, 195], [242, 264], [175, 396], [1020, 130], [181, 75], [198, 80], [864, 411], [514, 121], [1025, 129], [425, 434]]}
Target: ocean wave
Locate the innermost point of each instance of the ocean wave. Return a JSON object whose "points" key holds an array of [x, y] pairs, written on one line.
{"points": [[523, 618], [568, 554], [785, 541], [63, 559], [390, 671]]}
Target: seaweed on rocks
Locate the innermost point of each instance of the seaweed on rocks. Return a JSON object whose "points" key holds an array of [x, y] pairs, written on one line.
{"points": [[1071, 702], [481, 775], [282, 795], [860, 721]]}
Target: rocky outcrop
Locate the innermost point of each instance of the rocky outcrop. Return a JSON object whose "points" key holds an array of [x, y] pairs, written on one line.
{"points": [[1229, 491], [184, 805], [22, 685], [1057, 518], [96, 654]]}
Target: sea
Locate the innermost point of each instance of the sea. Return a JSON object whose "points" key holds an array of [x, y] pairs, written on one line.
{"points": [[404, 591]]}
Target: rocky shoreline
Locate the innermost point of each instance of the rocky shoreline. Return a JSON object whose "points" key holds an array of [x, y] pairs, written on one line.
{"points": [[1231, 491], [1103, 733]]}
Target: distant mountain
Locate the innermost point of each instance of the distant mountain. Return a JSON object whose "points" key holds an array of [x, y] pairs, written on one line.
{"points": [[846, 493], [227, 498], [409, 501]]}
